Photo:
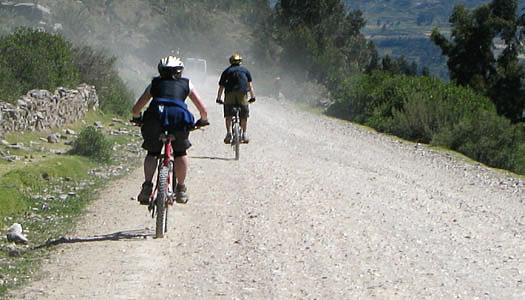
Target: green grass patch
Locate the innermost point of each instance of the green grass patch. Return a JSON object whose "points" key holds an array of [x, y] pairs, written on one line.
{"points": [[47, 192]]}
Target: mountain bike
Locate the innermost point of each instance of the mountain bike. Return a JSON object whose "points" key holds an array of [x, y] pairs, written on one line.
{"points": [[236, 129], [163, 195]]}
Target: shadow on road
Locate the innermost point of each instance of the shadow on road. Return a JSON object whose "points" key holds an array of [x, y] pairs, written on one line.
{"points": [[120, 235], [212, 157]]}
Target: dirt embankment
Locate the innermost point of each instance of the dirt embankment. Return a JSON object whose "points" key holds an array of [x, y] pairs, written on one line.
{"points": [[315, 208]]}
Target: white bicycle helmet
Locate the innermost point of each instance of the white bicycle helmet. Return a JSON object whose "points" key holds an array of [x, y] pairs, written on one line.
{"points": [[170, 65]]}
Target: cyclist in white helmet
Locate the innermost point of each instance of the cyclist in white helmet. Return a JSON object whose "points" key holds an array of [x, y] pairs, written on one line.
{"points": [[167, 111]]}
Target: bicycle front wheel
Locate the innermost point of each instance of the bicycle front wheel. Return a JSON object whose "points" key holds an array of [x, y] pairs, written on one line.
{"points": [[160, 202], [236, 139]]}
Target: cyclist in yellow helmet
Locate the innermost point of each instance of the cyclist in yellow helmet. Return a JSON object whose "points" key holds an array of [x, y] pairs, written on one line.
{"points": [[236, 83]]}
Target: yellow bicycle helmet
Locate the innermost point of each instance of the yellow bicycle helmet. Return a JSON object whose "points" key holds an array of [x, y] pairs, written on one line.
{"points": [[235, 59]]}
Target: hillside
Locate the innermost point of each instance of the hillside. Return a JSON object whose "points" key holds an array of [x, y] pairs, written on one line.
{"points": [[402, 28], [139, 32], [137, 36]]}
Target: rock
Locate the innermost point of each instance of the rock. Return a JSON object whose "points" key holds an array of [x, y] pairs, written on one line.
{"points": [[20, 102], [70, 131], [13, 250], [10, 158], [14, 234], [52, 138], [42, 110]]}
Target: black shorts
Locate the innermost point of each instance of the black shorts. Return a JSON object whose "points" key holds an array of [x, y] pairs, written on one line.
{"points": [[151, 131]]}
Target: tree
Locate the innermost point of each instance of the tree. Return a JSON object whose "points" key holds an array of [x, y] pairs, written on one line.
{"points": [[321, 40], [471, 53]]}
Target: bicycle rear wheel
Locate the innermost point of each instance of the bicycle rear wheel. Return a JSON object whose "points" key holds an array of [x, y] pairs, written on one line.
{"points": [[236, 139], [160, 203]]}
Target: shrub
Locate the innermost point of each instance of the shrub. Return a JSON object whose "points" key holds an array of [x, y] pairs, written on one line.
{"points": [[488, 138], [93, 144], [356, 96], [35, 59], [425, 106], [98, 69], [424, 109], [10, 87]]}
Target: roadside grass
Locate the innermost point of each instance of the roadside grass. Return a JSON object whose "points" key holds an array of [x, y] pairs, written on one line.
{"points": [[47, 191]]}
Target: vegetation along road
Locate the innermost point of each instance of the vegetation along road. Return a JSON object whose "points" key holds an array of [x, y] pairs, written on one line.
{"points": [[316, 208]]}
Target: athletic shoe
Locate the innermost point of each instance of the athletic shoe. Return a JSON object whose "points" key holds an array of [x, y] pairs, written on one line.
{"points": [[145, 193], [244, 138], [181, 194], [228, 138]]}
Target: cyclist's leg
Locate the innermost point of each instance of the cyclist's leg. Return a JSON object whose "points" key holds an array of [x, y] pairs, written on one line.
{"points": [[150, 166], [181, 168], [244, 114], [181, 163], [229, 102], [150, 133]]}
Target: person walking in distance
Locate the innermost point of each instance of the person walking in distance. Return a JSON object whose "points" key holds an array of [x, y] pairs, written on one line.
{"points": [[167, 111], [236, 83], [277, 87]]}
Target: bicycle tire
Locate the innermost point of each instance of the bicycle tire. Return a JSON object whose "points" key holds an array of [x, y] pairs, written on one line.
{"points": [[160, 203], [236, 139]]}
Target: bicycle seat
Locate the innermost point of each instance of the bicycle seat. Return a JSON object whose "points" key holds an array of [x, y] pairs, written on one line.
{"points": [[164, 137]]}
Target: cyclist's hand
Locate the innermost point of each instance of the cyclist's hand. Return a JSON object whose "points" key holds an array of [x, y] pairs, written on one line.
{"points": [[137, 120], [201, 123], [219, 101], [252, 99]]}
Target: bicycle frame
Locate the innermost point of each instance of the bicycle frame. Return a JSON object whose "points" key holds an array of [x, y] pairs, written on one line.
{"points": [[236, 132], [162, 195]]}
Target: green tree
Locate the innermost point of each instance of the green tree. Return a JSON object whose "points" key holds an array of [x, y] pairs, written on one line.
{"points": [[471, 57], [321, 40]]}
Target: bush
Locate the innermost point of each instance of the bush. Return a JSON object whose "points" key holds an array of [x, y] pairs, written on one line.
{"points": [[10, 87], [32, 59], [488, 138], [96, 68], [426, 110], [93, 144], [425, 106]]}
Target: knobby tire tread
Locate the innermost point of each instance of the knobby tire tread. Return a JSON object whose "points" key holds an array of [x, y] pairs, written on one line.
{"points": [[236, 140], [160, 202]]}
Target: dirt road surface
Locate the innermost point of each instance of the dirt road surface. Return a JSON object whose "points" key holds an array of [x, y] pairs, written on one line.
{"points": [[316, 208]]}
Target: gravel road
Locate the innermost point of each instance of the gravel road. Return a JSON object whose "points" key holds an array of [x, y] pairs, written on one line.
{"points": [[316, 208]]}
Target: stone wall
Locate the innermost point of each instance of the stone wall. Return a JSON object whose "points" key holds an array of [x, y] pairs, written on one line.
{"points": [[41, 110]]}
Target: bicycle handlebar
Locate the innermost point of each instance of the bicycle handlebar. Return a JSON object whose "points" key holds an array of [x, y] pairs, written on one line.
{"points": [[220, 101], [198, 125]]}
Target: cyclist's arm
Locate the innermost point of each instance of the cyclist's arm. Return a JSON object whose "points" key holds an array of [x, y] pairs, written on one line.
{"points": [[197, 101], [141, 102], [250, 89], [219, 93]]}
